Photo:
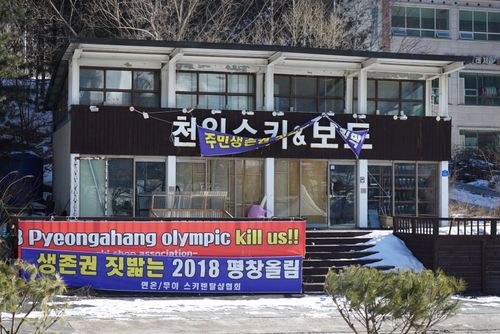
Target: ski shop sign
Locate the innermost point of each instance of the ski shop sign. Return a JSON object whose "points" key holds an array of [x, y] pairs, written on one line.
{"points": [[201, 257], [292, 132]]}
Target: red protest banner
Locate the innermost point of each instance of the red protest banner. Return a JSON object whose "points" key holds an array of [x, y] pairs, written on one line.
{"points": [[167, 238]]}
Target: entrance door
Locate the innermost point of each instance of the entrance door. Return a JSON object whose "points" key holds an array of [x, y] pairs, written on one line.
{"points": [[342, 199]]}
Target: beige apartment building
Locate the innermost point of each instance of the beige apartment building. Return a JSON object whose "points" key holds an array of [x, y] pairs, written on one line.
{"points": [[458, 27]]}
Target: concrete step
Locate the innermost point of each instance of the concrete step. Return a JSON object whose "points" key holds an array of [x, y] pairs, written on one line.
{"points": [[336, 241], [337, 248], [336, 262], [315, 283], [323, 270], [335, 234], [313, 287], [337, 255]]}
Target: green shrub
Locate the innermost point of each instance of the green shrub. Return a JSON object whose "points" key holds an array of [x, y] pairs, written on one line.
{"points": [[22, 291], [403, 301]]}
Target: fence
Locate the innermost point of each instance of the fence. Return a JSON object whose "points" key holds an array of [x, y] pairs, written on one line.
{"points": [[201, 204], [446, 226], [468, 248]]}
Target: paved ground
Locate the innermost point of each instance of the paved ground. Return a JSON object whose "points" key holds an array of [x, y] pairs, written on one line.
{"points": [[247, 314]]}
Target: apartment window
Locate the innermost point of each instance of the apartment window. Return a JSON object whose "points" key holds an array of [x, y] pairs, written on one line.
{"points": [[388, 97], [119, 87], [420, 22], [215, 90], [479, 25], [482, 139], [308, 93], [481, 89]]}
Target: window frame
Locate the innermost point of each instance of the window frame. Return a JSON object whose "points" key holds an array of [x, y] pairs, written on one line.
{"points": [[318, 98], [400, 100], [463, 34], [226, 93], [480, 100], [437, 33], [132, 91]]}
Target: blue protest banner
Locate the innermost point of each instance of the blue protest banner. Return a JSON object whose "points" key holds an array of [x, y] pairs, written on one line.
{"points": [[215, 143], [354, 139], [124, 272]]}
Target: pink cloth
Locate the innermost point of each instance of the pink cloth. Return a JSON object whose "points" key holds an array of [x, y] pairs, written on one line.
{"points": [[256, 211]]}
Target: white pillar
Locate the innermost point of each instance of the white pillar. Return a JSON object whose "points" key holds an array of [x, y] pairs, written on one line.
{"points": [[362, 193], [269, 88], [443, 189], [259, 91], [428, 98], [171, 172], [74, 193], [362, 91], [269, 185], [443, 95], [164, 86], [171, 83], [349, 86], [74, 78]]}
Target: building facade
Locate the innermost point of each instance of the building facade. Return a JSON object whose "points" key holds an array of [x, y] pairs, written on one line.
{"points": [[459, 27], [126, 112]]}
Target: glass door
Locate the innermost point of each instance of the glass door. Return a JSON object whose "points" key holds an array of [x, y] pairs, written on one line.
{"points": [[342, 195], [149, 180], [379, 194]]}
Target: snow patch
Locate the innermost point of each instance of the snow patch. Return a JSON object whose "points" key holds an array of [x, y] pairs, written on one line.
{"points": [[464, 196], [178, 307], [479, 183], [392, 251]]}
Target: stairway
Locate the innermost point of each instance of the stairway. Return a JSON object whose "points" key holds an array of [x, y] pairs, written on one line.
{"points": [[327, 249]]}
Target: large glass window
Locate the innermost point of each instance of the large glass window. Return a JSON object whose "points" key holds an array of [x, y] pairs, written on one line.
{"points": [[308, 93], [215, 90], [479, 25], [119, 87], [415, 189], [242, 179], [420, 22], [107, 186], [388, 97], [300, 189], [427, 189], [481, 89], [92, 187]]}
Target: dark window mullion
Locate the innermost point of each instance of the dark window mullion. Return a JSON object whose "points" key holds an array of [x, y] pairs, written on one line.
{"points": [[226, 90]]}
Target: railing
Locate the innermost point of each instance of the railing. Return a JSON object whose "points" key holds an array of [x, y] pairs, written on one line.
{"points": [[446, 226], [200, 204]]}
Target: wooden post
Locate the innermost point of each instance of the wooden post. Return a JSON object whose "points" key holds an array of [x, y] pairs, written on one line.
{"points": [[483, 265], [493, 227], [435, 227]]}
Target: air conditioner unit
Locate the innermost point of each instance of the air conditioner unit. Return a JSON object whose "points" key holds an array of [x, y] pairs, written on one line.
{"points": [[466, 35], [443, 34]]}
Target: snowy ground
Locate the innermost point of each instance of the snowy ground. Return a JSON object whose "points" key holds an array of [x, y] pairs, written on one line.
{"points": [[243, 314], [464, 196]]}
